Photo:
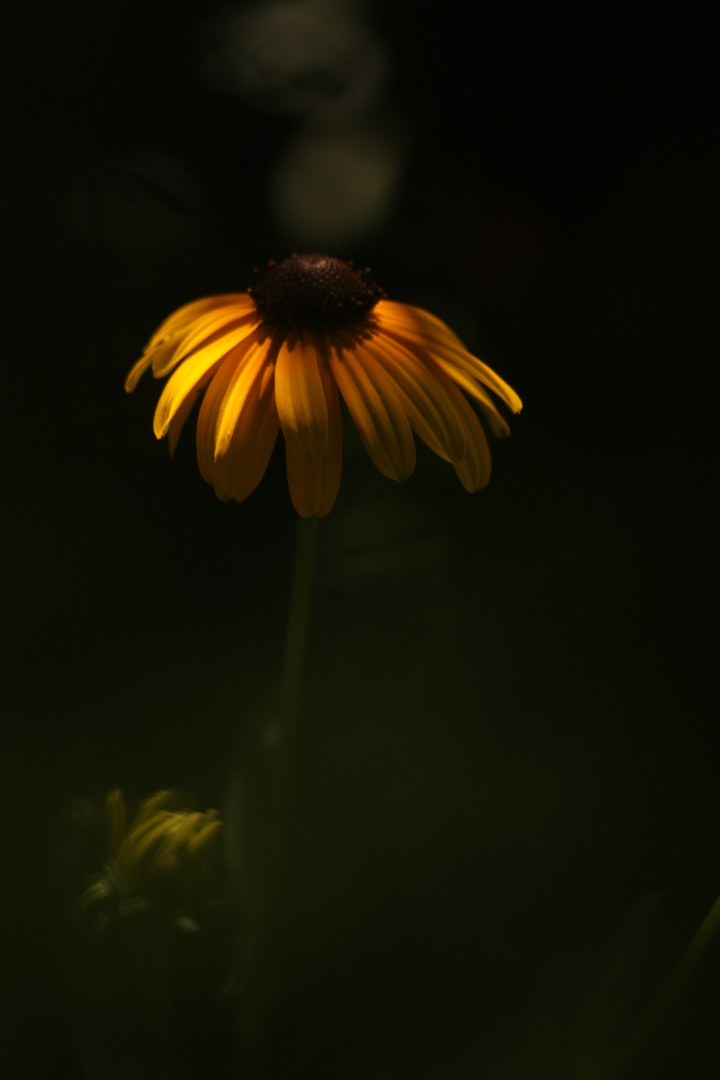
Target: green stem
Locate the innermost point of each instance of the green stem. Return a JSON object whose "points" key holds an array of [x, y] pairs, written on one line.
{"points": [[296, 641], [267, 799]]}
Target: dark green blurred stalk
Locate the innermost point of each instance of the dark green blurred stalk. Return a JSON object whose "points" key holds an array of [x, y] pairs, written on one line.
{"points": [[295, 647], [267, 769]]}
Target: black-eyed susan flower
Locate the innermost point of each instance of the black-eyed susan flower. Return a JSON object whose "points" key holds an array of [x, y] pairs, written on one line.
{"points": [[164, 857], [281, 355], [150, 940]]}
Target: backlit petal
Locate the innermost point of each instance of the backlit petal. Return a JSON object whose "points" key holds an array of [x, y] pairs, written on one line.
{"points": [[415, 320], [498, 424], [314, 484], [189, 376], [464, 362], [244, 376], [300, 397], [418, 327], [214, 329], [207, 416], [431, 410], [474, 469], [136, 372], [188, 314], [178, 421], [376, 410], [166, 354], [141, 841], [175, 836], [242, 463]]}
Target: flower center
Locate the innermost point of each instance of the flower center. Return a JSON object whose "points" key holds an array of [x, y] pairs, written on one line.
{"points": [[314, 292]]}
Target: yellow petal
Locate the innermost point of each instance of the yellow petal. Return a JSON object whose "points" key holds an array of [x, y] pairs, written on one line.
{"points": [[98, 892], [235, 397], [242, 463], [140, 841], [190, 375], [184, 316], [169, 343], [464, 362], [136, 372], [151, 806], [497, 423], [425, 397], [150, 838], [178, 421], [418, 327], [211, 330], [474, 469], [376, 410], [314, 484], [164, 354], [207, 417], [300, 397], [415, 320], [176, 834], [199, 840], [246, 378]]}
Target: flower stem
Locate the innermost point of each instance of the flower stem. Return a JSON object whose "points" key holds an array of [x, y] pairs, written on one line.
{"points": [[266, 796], [296, 642]]}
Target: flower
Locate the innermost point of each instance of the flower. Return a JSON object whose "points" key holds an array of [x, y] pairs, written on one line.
{"points": [[279, 356], [164, 857]]}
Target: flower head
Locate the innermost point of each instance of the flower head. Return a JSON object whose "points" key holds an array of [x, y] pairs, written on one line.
{"points": [[281, 355], [163, 858]]}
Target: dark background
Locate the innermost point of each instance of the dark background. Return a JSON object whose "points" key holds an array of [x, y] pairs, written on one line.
{"points": [[509, 735]]}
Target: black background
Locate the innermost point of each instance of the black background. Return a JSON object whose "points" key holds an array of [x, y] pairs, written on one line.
{"points": [[509, 734]]}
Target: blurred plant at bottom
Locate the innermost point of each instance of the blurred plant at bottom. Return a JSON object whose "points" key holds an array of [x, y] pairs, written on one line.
{"points": [[148, 946]]}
